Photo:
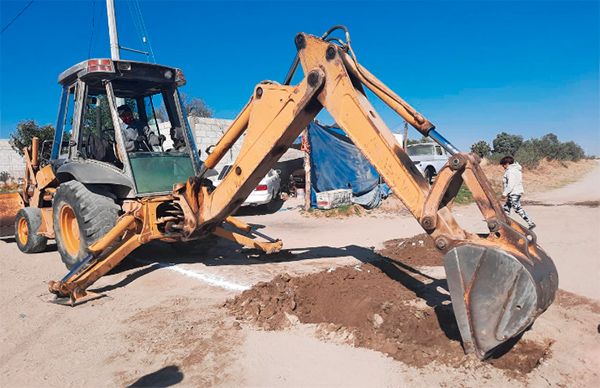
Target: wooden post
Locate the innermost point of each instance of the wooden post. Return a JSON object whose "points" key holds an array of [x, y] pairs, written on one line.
{"points": [[306, 147]]}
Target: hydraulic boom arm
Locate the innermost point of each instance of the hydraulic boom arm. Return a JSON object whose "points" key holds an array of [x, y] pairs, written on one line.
{"points": [[499, 282]]}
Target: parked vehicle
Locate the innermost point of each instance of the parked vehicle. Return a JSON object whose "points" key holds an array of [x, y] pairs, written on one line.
{"points": [[428, 157], [267, 189]]}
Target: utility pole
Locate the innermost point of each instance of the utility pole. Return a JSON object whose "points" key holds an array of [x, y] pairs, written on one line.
{"points": [[115, 53], [405, 137], [112, 30]]}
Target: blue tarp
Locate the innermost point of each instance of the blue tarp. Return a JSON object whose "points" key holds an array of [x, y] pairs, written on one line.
{"points": [[336, 163]]}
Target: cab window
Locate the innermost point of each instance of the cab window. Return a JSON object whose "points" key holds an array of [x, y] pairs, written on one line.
{"points": [[96, 134], [68, 122]]}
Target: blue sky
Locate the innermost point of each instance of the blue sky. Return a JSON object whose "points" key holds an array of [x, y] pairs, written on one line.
{"points": [[474, 68]]}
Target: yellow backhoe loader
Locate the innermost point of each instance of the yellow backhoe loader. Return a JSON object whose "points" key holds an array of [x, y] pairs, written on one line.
{"points": [[101, 198]]}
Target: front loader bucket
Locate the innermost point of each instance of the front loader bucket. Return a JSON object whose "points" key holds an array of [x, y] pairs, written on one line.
{"points": [[10, 204], [495, 294]]}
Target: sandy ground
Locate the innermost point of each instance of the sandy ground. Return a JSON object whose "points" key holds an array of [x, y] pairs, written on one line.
{"points": [[163, 322]]}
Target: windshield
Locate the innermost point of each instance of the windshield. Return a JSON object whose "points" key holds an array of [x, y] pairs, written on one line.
{"points": [[155, 136], [150, 120], [156, 172], [419, 150]]}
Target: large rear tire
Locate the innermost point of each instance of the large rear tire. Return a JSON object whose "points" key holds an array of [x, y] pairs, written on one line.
{"points": [[80, 218], [27, 223]]}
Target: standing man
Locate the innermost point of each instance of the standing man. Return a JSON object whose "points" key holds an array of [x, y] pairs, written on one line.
{"points": [[137, 135], [513, 189]]}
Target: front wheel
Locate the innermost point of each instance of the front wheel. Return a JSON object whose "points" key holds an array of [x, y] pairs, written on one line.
{"points": [[27, 223], [81, 218]]}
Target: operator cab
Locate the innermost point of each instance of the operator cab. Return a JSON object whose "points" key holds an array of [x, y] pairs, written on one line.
{"points": [[124, 122]]}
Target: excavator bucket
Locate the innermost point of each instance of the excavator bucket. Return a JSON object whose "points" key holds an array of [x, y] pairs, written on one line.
{"points": [[496, 294], [10, 204]]}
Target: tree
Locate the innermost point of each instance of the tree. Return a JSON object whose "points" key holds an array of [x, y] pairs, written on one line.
{"points": [[481, 148], [507, 144], [196, 106], [528, 155], [571, 151], [192, 107], [96, 115], [550, 146], [26, 131], [4, 176]]}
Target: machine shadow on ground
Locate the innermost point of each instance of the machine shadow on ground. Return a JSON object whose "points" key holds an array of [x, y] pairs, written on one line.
{"points": [[272, 207], [212, 252], [165, 377]]}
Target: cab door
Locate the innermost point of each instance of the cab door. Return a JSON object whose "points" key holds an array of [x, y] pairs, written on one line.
{"points": [[67, 125]]}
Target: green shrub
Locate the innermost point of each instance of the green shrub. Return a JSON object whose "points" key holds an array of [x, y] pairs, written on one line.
{"points": [[481, 148], [528, 155], [571, 151], [495, 158], [464, 196], [549, 146], [507, 144]]}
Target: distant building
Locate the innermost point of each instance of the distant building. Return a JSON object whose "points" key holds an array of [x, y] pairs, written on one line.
{"points": [[207, 132], [10, 160]]}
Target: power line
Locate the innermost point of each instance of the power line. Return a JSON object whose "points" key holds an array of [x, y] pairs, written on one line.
{"points": [[145, 31], [16, 17], [136, 23]]}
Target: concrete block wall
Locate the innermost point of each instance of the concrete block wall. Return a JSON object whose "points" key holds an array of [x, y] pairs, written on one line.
{"points": [[11, 161], [207, 132]]}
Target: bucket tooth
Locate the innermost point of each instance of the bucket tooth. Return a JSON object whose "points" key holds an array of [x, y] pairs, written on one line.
{"points": [[497, 295]]}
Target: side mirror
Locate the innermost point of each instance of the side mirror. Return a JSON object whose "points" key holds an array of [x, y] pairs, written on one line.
{"points": [[45, 149]]}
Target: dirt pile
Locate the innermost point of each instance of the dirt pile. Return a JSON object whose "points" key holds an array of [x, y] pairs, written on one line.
{"points": [[380, 306], [569, 300], [418, 250], [9, 206]]}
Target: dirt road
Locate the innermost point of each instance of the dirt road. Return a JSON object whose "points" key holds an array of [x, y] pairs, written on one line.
{"points": [[163, 322]]}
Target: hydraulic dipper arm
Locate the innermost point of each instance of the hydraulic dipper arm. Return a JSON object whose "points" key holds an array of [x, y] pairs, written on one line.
{"points": [[499, 282]]}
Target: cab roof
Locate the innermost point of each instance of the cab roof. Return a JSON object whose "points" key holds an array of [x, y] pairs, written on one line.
{"points": [[131, 74]]}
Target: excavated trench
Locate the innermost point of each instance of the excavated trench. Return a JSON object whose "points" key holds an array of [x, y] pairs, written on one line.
{"points": [[391, 305]]}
